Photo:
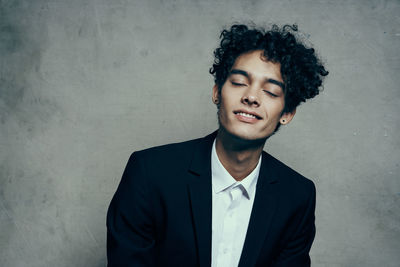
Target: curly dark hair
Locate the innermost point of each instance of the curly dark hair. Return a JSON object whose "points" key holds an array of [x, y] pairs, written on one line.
{"points": [[301, 70]]}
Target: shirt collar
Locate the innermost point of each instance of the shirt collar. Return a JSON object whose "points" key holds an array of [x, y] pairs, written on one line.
{"points": [[222, 180]]}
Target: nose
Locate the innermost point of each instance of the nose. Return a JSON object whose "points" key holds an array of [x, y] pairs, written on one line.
{"points": [[250, 98]]}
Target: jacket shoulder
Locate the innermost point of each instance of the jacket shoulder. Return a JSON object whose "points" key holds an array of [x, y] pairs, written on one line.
{"points": [[180, 149], [289, 176], [167, 158]]}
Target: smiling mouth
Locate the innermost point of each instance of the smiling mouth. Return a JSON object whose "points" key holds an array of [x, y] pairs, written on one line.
{"points": [[247, 115]]}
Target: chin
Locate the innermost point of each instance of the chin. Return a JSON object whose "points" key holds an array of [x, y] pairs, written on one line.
{"points": [[244, 136]]}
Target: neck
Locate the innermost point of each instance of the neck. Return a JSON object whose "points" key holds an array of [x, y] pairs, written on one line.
{"points": [[238, 156]]}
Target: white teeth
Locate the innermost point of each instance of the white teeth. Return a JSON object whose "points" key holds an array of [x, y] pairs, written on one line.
{"points": [[247, 115]]}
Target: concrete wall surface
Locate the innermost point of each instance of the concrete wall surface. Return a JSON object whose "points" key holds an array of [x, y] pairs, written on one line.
{"points": [[85, 83]]}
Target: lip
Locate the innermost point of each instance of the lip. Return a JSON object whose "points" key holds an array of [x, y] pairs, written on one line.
{"points": [[247, 119]]}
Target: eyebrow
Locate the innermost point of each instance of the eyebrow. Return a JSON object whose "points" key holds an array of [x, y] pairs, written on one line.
{"points": [[247, 75]]}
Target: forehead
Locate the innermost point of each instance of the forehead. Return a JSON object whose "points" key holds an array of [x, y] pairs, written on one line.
{"points": [[258, 66]]}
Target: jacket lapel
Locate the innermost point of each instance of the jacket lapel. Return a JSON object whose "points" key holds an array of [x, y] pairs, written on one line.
{"points": [[264, 207], [199, 189]]}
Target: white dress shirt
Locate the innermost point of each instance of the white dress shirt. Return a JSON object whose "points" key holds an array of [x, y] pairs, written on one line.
{"points": [[232, 202]]}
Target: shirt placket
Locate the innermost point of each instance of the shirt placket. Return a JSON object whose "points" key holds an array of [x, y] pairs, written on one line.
{"points": [[226, 249]]}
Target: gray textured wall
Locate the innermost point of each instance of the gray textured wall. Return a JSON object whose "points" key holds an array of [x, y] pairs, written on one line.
{"points": [[85, 83]]}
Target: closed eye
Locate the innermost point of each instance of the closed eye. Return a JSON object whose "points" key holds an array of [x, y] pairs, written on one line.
{"points": [[238, 84], [271, 94]]}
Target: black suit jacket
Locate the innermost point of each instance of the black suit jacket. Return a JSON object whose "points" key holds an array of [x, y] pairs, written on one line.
{"points": [[161, 212]]}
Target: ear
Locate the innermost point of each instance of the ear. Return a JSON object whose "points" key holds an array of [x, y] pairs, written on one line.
{"points": [[287, 117], [215, 94]]}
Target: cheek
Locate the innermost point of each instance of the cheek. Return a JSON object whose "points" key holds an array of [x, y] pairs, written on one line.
{"points": [[226, 103], [276, 108], [222, 110]]}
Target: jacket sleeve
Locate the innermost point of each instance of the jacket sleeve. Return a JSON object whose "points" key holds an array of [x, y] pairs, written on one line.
{"points": [[130, 231], [296, 251]]}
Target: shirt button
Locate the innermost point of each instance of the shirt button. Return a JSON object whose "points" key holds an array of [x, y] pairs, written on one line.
{"points": [[225, 250]]}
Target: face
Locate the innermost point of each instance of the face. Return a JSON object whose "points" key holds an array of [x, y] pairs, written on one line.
{"points": [[252, 98]]}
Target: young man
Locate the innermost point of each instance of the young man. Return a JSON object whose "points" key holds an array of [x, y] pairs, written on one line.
{"points": [[221, 200]]}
